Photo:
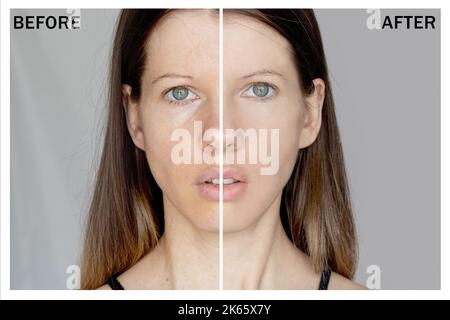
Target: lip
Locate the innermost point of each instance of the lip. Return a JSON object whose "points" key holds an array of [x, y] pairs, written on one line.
{"points": [[211, 191]]}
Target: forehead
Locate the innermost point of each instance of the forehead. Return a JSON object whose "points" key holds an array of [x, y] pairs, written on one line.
{"points": [[188, 41], [181, 36], [251, 44]]}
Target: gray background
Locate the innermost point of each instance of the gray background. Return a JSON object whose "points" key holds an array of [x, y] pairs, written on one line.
{"points": [[386, 86]]}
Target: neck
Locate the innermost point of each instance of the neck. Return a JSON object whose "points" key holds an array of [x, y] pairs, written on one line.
{"points": [[252, 258]]}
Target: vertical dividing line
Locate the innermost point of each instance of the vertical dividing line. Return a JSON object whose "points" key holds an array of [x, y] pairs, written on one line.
{"points": [[221, 149]]}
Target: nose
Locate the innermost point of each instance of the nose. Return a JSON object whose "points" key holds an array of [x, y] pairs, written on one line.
{"points": [[206, 127], [209, 135], [232, 133]]}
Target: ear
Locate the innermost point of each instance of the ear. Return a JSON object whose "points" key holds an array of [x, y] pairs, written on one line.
{"points": [[313, 114], [132, 115]]}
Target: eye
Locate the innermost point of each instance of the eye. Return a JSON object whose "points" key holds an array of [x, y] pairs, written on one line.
{"points": [[181, 95], [259, 90]]}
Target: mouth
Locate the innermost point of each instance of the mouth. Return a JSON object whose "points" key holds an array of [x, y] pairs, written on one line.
{"points": [[234, 184], [225, 181]]}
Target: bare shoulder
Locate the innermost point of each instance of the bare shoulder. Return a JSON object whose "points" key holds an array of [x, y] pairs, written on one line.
{"points": [[104, 287], [338, 282]]}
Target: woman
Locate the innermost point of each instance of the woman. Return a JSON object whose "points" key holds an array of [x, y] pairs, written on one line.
{"points": [[154, 222]]}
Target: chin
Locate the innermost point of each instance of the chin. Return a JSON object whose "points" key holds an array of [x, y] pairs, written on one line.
{"points": [[238, 220], [206, 220]]}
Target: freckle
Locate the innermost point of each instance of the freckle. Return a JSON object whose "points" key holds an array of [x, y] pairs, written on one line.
{"points": [[167, 279]]}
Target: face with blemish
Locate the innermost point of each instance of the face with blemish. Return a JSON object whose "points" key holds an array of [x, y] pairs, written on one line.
{"points": [[180, 85], [261, 90]]}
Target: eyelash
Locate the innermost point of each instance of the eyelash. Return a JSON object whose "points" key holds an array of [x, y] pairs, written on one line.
{"points": [[179, 102], [262, 99]]}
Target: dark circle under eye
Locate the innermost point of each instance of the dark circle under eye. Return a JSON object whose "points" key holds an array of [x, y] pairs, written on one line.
{"points": [[180, 93], [261, 89]]}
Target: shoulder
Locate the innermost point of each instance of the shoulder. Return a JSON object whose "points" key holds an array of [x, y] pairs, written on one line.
{"points": [[338, 282], [138, 277]]}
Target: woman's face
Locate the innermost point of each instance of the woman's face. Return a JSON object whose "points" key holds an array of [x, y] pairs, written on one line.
{"points": [[261, 94]]}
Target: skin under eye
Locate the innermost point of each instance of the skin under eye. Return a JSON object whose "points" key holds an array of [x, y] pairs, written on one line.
{"points": [[260, 90], [180, 95]]}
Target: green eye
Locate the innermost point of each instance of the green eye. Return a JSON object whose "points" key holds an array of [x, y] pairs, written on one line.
{"points": [[180, 93], [260, 89]]}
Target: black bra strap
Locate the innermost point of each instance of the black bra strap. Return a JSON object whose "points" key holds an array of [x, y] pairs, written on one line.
{"points": [[114, 283], [325, 279]]}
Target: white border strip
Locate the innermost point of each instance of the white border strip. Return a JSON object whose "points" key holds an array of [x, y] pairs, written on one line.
{"points": [[5, 152], [445, 159]]}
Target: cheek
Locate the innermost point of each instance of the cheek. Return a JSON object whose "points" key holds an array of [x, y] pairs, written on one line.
{"points": [[284, 116], [158, 146], [177, 181], [289, 140], [288, 150], [289, 144], [264, 190]]}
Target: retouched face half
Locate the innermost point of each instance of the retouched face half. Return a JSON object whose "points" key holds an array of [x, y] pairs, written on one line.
{"points": [[264, 104]]}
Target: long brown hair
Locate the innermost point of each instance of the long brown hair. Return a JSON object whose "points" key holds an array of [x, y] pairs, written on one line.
{"points": [[126, 216]]}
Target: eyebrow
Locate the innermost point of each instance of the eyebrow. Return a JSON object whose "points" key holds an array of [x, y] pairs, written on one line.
{"points": [[263, 72], [171, 76]]}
